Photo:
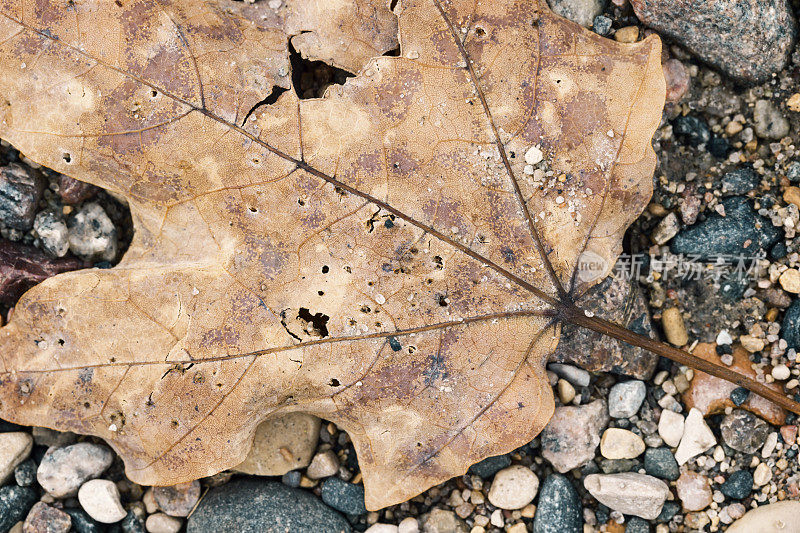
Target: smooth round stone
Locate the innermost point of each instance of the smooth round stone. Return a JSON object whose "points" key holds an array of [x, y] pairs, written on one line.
{"points": [[559, 508], [744, 431], [621, 444], [100, 499], [63, 470], [46, 519], [25, 473], [671, 427], [443, 521], [694, 491], [513, 488], [82, 522], [490, 466], [343, 496], [660, 462], [15, 502], [163, 523], [177, 500], [625, 399], [637, 525], [15, 447], [263, 506], [738, 486]]}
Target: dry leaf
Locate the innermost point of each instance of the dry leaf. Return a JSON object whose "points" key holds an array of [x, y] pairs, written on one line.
{"points": [[374, 257]]}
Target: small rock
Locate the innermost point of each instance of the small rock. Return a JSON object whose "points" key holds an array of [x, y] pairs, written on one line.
{"points": [[559, 508], [788, 434], [615, 466], [629, 493], [15, 502], [92, 235], [740, 181], [694, 491], [63, 470], [576, 376], [792, 196], [25, 473], [343, 496], [53, 233], [790, 328], [602, 25], [660, 463], [669, 510], [571, 437], [674, 327], [762, 475], [738, 486], [20, 191], [621, 444], [746, 39], [43, 518], [177, 500], [769, 121], [628, 34], [513, 488], [671, 427], [23, 266], [133, 523], [323, 464], [489, 466], [624, 399], [163, 523], [408, 525], [744, 431], [666, 229], [566, 392], [73, 191], [692, 130], [581, 11], [781, 372], [263, 506], [677, 79], [83, 523], [50, 437], [739, 395], [15, 447], [773, 518], [382, 528], [728, 235], [100, 499], [282, 444], [752, 344], [441, 521], [697, 437]]}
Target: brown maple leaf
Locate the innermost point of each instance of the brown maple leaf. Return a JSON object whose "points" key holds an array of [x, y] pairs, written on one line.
{"points": [[395, 257]]}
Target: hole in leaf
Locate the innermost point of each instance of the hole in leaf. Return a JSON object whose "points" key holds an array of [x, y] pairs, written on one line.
{"points": [[269, 100], [333, 382], [480, 32], [311, 78], [317, 321], [67, 158], [394, 52]]}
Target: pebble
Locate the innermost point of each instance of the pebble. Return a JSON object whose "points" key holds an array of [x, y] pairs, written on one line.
{"points": [[791, 195], [576, 376], [769, 445], [762, 475], [324, 464], [408, 525], [619, 443], [628, 34], [264, 506], [677, 79], [83, 523], [779, 517], [442, 521], [692, 130], [52, 231], [73, 191], [790, 280], [718, 235], [163, 523], [790, 327], [490, 466], [671, 427], [739, 395], [177, 500], [581, 11], [343, 496], [694, 491], [382, 528], [744, 431], [697, 437], [769, 121], [15, 502], [738, 486], [660, 463], [666, 229], [740, 181], [63, 470], [602, 25], [571, 437], [513, 488], [15, 447], [100, 499], [781, 372], [25, 473], [43, 518], [629, 493], [92, 235], [625, 399], [281, 444], [566, 392], [21, 189], [23, 266], [748, 40], [674, 327], [559, 508]]}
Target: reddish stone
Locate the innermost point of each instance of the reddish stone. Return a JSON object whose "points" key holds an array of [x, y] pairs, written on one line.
{"points": [[43, 518], [23, 266], [712, 395], [789, 434], [73, 191], [677, 79]]}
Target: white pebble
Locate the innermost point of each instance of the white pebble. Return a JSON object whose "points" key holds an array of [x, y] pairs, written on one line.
{"points": [[100, 499], [534, 155], [163, 523], [513, 487], [781, 372]]}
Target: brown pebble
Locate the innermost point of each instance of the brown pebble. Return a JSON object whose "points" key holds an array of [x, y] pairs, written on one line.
{"points": [[674, 327]]}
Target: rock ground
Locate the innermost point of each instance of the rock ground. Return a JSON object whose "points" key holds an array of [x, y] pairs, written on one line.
{"points": [[726, 186]]}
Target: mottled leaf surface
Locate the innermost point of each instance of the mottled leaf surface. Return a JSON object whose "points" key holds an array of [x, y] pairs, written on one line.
{"points": [[379, 257]]}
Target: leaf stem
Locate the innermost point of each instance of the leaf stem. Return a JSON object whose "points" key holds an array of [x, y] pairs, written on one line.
{"points": [[575, 315]]}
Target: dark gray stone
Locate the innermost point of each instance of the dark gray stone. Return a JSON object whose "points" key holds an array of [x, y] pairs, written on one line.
{"points": [[790, 329], [743, 431], [659, 462], [691, 130], [15, 502], [748, 40], [718, 235], [637, 525], [258, 506], [740, 181], [739, 395], [132, 524], [602, 25], [669, 510], [490, 466], [616, 466], [738, 486], [20, 191], [559, 508], [343, 496], [292, 479], [25, 473], [83, 523]]}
